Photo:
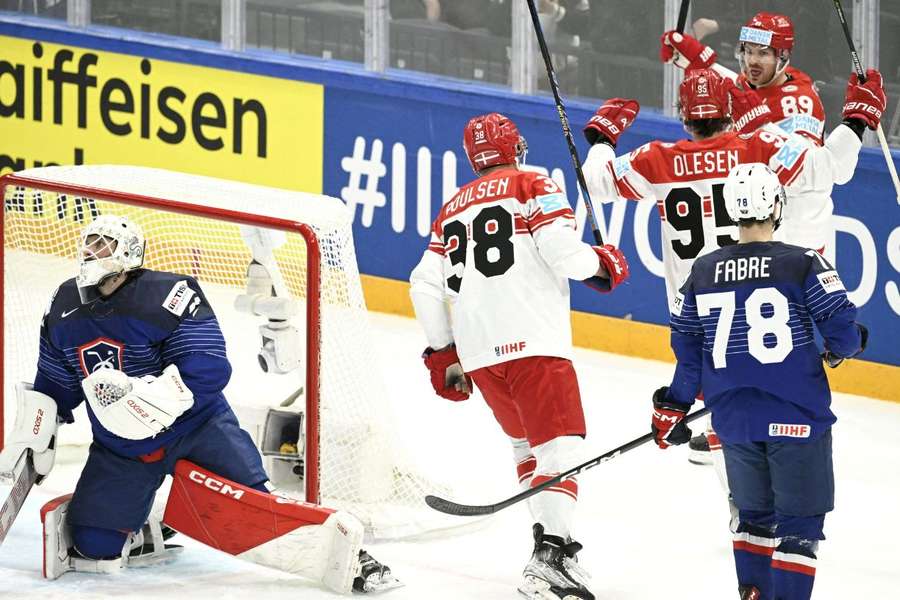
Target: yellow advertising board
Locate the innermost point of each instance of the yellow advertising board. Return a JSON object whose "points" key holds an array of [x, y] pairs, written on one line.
{"points": [[71, 105]]}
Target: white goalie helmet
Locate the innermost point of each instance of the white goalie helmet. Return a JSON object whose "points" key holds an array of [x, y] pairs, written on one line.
{"points": [[753, 192], [108, 246]]}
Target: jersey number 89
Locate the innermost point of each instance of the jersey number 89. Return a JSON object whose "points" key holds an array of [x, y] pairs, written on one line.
{"points": [[493, 253]]}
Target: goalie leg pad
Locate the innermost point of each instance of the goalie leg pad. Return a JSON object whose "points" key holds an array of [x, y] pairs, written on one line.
{"points": [[96, 550], [279, 532]]}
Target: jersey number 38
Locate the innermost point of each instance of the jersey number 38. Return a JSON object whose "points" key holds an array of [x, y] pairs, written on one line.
{"points": [[493, 251]]}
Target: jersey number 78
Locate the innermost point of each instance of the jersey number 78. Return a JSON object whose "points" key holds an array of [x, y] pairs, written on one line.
{"points": [[769, 338]]}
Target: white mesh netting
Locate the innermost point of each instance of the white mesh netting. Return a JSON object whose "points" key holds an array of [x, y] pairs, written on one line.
{"points": [[364, 469]]}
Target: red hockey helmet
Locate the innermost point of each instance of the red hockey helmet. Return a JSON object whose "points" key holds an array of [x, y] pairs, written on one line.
{"points": [[704, 95], [772, 31], [769, 29], [491, 140]]}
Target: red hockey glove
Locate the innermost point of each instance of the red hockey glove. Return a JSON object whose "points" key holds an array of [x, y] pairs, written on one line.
{"points": [[865, 101], [667, 425], [613, 264], [748, 112], [685, 52], [447, 377], [611, 120]]}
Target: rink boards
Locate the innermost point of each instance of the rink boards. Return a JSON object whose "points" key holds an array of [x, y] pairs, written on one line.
{"points": [[389, 146]]}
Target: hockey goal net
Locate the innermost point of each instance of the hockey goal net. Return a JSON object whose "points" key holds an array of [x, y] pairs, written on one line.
{"points": [[347, 453]]}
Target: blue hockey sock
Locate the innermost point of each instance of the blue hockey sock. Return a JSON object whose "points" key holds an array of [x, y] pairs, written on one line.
{"points": [[794, 568], [753, 543], [98, 543]]}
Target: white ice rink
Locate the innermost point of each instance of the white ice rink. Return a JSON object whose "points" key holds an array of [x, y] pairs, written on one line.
{"points": [[653, 525]]}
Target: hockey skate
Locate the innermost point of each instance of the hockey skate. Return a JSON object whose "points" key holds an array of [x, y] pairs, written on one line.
{"points": [[700, 453], [748, 592], [373, 577], [553, 572]]}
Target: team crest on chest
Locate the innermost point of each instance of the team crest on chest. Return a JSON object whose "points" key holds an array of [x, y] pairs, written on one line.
{"points": [[101, 353]]}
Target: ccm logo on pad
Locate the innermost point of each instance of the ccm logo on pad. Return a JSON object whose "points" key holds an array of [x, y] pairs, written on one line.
{"points": [[215, 485]]}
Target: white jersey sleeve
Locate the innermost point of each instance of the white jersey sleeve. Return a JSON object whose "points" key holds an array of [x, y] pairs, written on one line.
{"points": [[809, 171], [610, 177], [428, 298], [552, 225]]}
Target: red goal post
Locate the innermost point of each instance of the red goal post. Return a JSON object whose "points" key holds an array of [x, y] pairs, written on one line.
{"points": [[191, 223]]}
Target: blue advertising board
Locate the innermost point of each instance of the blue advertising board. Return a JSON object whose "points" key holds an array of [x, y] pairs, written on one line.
{"points": [[391, 149]]}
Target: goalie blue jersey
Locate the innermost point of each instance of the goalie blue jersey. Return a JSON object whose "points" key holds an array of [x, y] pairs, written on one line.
{"points": [[742, 332], [154, 320]]}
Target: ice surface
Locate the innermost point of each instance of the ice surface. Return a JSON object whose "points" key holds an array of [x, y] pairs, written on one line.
{"points": [[652, 524]]}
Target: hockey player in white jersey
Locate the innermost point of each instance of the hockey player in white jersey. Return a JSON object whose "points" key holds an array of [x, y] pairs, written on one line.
{"points": [[764, 52], [728, 127], [501, 253]]}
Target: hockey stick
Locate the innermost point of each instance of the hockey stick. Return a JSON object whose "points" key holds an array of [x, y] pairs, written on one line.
{"points": [[24, 478], [857, 65], [682, 15], [473, 510], [564, 120]]}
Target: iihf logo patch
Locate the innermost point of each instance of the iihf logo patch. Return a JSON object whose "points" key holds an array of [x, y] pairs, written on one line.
{"points": [[102, 353]]}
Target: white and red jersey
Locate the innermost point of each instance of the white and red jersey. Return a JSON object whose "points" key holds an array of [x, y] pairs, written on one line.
{"points": [[797, 108], [795, 104], [501, 253], [686, 178]]}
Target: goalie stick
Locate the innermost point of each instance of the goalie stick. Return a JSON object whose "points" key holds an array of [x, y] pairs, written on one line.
{"points": [[23, 477], [473, 510], [857, 66]]}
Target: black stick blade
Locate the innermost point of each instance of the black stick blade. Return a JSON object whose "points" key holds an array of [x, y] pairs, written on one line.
{"points": [[461, 510]]}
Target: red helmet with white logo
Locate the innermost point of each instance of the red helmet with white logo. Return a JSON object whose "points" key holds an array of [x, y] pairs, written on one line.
{"points": [[492, 139], [704, 95], [769, 29]]}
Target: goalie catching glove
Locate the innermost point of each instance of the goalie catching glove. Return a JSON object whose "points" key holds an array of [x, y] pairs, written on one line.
{"points": [[136, 408], [447, 376]]}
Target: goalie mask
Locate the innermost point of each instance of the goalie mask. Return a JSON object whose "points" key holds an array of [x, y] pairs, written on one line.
{"points": [[493, 139], [767, 30], [108, 246], [753, 192]]}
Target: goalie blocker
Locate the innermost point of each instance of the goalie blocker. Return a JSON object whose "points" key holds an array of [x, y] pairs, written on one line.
{"points": [[286, 534]]}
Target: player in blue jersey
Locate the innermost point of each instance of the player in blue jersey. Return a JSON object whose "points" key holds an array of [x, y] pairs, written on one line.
{"points": [[145, 350], [742, 324]]}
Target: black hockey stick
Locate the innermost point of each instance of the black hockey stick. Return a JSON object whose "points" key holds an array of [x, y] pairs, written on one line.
{"points": [[567, 130], [682, 15], [857, 66], [473, 510]]}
